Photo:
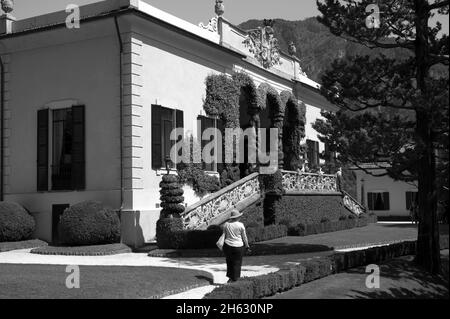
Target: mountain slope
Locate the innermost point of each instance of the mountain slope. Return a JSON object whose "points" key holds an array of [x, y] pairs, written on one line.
{"points": [[317, 48]]}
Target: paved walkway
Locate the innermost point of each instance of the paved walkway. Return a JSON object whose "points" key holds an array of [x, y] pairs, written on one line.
{"points": [[253, 266]]}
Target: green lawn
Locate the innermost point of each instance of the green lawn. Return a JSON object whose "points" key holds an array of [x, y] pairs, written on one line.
{"points": [[104, 282]]}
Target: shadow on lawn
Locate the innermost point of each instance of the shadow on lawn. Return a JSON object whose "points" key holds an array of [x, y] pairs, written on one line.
{"points": [[411, 225], [405, 269]]}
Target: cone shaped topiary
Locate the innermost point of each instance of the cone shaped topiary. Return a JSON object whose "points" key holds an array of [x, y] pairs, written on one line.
{"points": [[171, 196]]}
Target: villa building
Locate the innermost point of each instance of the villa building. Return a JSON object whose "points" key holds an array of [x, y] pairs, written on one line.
{"points": [[383, 195], [87, 112]]}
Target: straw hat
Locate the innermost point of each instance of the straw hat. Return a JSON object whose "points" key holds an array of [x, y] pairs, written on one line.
{"points": [[235, 214]]}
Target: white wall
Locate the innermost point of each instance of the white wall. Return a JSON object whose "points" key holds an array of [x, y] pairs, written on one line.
{"points": [[397, 192], [313, 114], [44, 76]]}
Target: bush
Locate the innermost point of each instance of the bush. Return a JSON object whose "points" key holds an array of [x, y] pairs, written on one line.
{"points": [[257, 234], [16, 223], [229, 175], [89, 223], [170, 235], [309, 209], [253, 215], [171, 196], [325, 226], [192, 174], [165, 228]]}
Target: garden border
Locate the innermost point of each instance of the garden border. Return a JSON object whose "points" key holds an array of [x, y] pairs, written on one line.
{"points": [[312, 269], [96, 250]]}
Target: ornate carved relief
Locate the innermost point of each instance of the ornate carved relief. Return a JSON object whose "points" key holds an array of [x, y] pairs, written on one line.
{"points": [[213, 23], [307, 182], [263, 45], [211, 26]]}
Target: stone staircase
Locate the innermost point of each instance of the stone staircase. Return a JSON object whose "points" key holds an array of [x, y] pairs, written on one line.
{"points": [[215, 208]]}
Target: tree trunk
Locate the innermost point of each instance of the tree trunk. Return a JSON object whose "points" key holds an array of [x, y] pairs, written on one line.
{"points": [[428, 252]]}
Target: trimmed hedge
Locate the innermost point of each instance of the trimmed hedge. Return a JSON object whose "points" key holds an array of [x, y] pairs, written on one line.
{"points": [[253, 216], [309, 270], [16, 224], [165, 227], [292, 210], [89, 223], [327, 226], [99, 250], [257, 234], [172, 236]]}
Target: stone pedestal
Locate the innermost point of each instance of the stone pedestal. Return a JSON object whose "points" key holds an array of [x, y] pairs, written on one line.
{"points": [[6, 23]]}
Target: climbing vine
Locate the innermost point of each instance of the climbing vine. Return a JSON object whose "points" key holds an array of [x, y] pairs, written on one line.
{"points": [[192, 174], [293, 131]]}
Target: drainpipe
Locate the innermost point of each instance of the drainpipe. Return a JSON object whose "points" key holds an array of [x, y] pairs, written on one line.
{"points": [[2, 111], [119, 36]]}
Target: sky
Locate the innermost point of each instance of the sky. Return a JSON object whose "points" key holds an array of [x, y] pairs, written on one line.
{"points": [[196, 11]]}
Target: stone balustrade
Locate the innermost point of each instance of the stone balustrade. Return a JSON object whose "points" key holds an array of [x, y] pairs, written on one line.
{"points": [[302, 182], [352, 204], [201, 214]]}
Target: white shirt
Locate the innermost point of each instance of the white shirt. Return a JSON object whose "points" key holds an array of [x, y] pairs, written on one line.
{"points": [[235, 235]]}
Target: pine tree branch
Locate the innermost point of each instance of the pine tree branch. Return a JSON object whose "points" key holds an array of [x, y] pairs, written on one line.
{"points": [[438, 5]]}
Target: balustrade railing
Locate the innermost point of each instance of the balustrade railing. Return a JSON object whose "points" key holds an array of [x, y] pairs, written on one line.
{"points": [[216, 204], [309, 182], [201, 214], [352, 204]]}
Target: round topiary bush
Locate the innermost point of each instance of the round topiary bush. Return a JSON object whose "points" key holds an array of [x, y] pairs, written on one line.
{"points": [[16, 223], [165, 230], [89, 223]]}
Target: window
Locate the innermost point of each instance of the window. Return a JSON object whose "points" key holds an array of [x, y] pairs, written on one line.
{"points": [[164, 120], [67, 149], [378, 200], [312, 153], [411, 197], [205, 123], [329, 156]]}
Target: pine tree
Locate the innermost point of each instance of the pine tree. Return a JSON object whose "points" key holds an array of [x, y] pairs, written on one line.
{"points": [[399, 104]]}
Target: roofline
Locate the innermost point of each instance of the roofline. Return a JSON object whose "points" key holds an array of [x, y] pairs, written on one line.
{"points": [[120, 12]]}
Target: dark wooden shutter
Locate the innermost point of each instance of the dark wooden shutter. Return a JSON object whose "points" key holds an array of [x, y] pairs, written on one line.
{"points": [[179, 123], [408, 200], [42, 150], [316, 153], [386, 201], [156, 137], [370, 200], [78, 148]]}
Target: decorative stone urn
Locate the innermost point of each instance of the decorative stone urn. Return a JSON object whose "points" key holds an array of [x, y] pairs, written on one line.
{"points": [[8, 5], [220, 8]]}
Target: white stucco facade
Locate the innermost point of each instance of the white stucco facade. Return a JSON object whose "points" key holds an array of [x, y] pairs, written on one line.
{"points": [[367, 183], [165, 61]]}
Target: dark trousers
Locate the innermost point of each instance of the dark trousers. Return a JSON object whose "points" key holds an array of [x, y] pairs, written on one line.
{"points": [[234, 261]]}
